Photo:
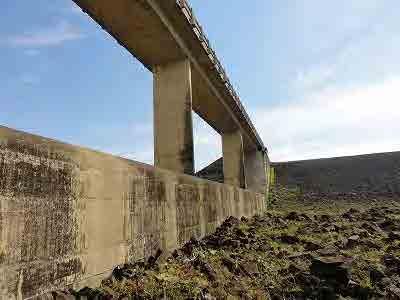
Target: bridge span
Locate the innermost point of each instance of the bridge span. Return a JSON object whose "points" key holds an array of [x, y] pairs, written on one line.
{"points": [[165, 36], [69, 215]]}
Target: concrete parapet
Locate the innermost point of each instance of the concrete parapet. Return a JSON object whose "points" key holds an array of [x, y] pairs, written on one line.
{"points": [[68, 215]]}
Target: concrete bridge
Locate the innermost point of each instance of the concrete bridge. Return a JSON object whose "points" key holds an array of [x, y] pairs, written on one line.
{"points": [[166, 37], [69, 215]]}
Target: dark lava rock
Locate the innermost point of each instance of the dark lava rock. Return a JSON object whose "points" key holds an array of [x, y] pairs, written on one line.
{"points": [[293, 216], [352, 241], [393, 248], [118, 273], [205, 268], [152, 261], [372, 228], [355, 290], [393, 293], [327, 228], [230, 264], [350, 214], [326, 292], [392, 264], [230, 222], [88, 293], [332, 268], [244, 219], [308, 281], [394, 235], [387, 225], [376, 275], [326, 218], [190, 246], [311, 246], [289, 239], [62, 295]]}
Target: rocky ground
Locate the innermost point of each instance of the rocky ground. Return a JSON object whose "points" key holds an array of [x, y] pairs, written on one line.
{"points": [[298, 250]]}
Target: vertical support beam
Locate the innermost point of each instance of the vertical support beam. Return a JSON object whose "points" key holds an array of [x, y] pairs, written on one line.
{"points": [[232, 148], [256, 171], [173, 124]]}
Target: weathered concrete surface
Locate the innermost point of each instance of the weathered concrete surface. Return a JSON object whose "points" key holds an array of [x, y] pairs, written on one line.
{"points": [[173, 124], [373, 173], [233, 156], [256, 170], [68, 215]]}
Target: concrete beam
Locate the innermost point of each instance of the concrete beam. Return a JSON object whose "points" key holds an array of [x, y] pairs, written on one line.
{"points": [[173, 124], [256, 171], [157, 32], [233, 156]]}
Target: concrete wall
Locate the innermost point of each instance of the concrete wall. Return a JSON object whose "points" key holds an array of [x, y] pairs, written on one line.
{"points": [[373, 173], [68, 215]]}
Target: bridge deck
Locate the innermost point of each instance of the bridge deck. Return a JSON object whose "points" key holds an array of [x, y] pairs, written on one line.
{"points": [[157, 32]]}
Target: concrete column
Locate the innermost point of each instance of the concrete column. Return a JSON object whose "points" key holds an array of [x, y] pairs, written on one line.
{"points": [[232, 148], [256, 171], [173, 125]]}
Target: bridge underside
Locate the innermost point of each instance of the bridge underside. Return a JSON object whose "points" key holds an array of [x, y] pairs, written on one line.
{"points": [[166, 38]]}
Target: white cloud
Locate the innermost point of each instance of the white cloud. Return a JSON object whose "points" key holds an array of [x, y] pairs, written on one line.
{"points": [[334, 122], [62, 32]]}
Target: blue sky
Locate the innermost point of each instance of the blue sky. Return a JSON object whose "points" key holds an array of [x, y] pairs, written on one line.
{"points": [[319, 78]]}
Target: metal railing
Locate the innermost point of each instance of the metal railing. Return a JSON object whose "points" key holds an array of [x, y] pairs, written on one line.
{"points": [[198, 30]]}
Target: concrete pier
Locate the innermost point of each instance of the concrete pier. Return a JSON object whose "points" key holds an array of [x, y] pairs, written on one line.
{"points": [[233, 156], [173, 124], [256, 171]]}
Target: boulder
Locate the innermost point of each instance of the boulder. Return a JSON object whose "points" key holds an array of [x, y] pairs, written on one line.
{"points": [[289, 239], [352, 241], [332, 268], [311, 246]]}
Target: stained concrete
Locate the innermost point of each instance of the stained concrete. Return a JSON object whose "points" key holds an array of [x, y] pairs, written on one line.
{"points": [[256, 170], [233, 155], [173, 124], [68, 214]]}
